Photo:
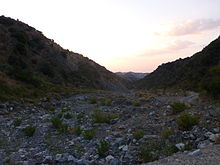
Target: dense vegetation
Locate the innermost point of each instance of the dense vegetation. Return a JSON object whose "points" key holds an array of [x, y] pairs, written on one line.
{"points": [[31, 63], [201, 72]]}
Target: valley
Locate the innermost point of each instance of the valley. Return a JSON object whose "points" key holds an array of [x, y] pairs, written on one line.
{"points": [[60, 107]]}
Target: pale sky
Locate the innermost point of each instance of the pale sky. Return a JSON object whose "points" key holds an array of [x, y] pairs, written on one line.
{"points": [[123, 35]]}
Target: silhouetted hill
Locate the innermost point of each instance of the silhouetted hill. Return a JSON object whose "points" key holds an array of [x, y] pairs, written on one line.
{"points": [[131, 76], [29, 59], [200, 72]]}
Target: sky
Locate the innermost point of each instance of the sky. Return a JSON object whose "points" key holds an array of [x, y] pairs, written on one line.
{"points": [[123, 35]]}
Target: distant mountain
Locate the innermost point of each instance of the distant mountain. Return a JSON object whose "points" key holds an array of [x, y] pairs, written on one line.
{"points": [[199, 72], [131, 76], [29, 59]]}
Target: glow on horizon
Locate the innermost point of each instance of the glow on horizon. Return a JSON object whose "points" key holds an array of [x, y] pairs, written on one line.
{"points": [[123, 35]]}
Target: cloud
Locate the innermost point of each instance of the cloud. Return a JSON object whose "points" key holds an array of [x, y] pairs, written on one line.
{"points": [[190, 27], [172, 47]]}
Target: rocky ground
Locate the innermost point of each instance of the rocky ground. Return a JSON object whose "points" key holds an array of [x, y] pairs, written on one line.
{"points": [[109, 128]]}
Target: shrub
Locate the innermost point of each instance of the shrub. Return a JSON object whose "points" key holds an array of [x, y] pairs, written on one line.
{"points": [[57, 123], [146, 155], [29, 130], [80, 116], [136, 103], [186, 121], [167, 133], [89, 134], [63, 128], [138, 134], [106, 101], [102, 148], [49, 108], [178, 107], [68, 116], [102, 117], [153, 149], [77, 130], [92, 100], [17, 122]]}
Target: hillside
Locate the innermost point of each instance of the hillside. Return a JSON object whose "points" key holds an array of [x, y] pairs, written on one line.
{"points": [[30, 60], [199, 72], [131, 76]]}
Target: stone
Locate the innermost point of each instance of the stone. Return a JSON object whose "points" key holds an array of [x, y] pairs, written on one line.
{"points": [[215, 138], [180, 146], [48, 159], [123, 147], [208, 134], [112, 162], [60, 158], [83, 162], [216, 130], [195, 153], [71, 158], [203, 144], [109, 157]]}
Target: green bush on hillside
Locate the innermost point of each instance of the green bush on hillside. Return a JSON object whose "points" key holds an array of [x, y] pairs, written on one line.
{"points": [[186, 121]]}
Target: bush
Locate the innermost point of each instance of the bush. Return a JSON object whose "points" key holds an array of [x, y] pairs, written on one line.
{"points": [[80, 116], [89, 134], [68, 116], [49, 108], [167, 133], [17, 122], [106, 101], [102, 148], [186, 121], [146, 155], [138, 134], [92, 100], [136, 103], [102, 117], [57, 123], [151, 150], [77, 130], [178, 107], [29, 130]]}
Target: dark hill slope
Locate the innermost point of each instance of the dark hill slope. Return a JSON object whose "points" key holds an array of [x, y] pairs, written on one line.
{"points": [[199, 72], [28, 58]]}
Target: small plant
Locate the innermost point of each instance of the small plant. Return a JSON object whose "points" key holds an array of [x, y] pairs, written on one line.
{"points": [[49, 108], [89, 134], [3, 141], [146, 155], [29, 130], [188, 146], [92, 100], [68, 116], [186, 121], [167, 133], [64, 128], [136, 104], [17, 122], [102, 117], [77, 130], [178, 107], [138, 134], [103, 147], [60, 115], [106, 101], [152, 149], [57, 123], [80, 116]]}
